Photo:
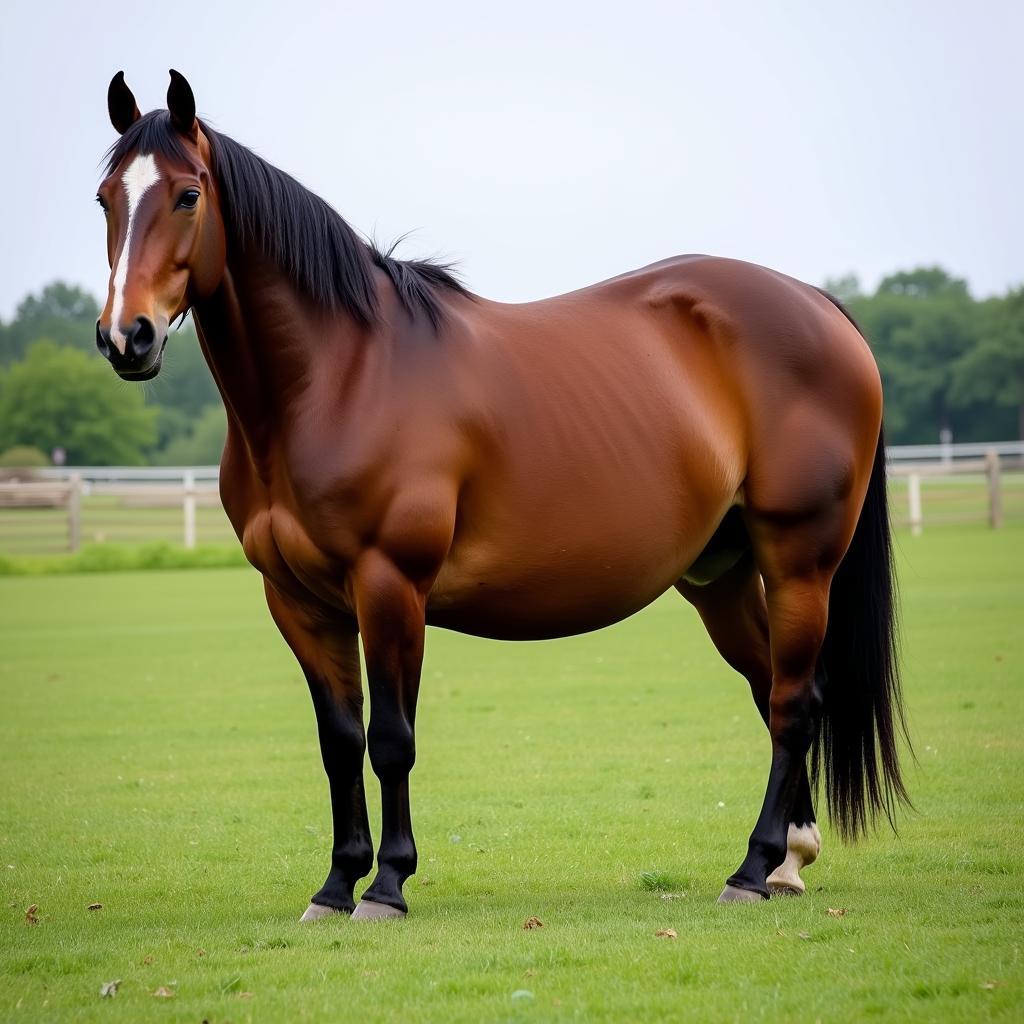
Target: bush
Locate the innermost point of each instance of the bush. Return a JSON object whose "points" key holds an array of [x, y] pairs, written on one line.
{"points": [[119, 558], [23, 456]]}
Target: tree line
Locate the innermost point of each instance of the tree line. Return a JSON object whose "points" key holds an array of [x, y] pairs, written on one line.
{"points": [[948, 362]]}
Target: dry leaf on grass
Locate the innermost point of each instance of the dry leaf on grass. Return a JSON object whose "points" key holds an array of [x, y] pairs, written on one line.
{"points": [[94, 906], [163, 992], [666, 933], [804, 935], [109, 989], [837, 911], [147, 959], [991, 984], [532, 922], [32, 914]]}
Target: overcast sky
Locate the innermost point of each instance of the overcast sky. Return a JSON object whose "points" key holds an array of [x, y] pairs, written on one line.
{"points": [[548, 145]]}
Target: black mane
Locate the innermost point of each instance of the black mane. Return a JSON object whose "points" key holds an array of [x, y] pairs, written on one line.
{"points": [[296, 229]]}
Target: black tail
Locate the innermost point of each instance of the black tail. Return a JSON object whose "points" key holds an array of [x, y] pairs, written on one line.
{"points": [[862, 716]]}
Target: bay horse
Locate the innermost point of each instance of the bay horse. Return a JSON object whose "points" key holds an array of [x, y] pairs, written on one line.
{"points": [[401, 452]]}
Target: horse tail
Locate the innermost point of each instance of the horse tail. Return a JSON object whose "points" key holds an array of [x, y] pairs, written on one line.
{"points": [[862, 712]]}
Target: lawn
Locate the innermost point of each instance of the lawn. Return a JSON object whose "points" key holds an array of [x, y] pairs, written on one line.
{"points": [[158, 756]]}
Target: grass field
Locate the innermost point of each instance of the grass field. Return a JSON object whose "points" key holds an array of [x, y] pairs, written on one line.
{"points": [[158, 756]]}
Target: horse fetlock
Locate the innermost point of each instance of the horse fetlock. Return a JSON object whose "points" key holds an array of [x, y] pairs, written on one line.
{"points": [[803, 845]]}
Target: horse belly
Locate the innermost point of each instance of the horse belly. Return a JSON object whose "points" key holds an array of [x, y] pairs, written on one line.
{"points": [[570, 567]]}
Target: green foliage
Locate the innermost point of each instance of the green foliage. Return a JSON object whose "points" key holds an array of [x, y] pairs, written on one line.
{"points": [[180, 395], [185, 383], [61, 312], [944, 357], [993, 371], [923, 283], [203, 445], [124, 558], [845, 288], [23, 456], [59, 397]]}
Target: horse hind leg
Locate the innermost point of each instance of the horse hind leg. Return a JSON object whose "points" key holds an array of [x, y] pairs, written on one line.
{"points": [[801, 516], [803, 844], [725, 587]]}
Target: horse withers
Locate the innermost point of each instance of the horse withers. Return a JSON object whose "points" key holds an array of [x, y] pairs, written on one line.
{"points": [[401, 452]]}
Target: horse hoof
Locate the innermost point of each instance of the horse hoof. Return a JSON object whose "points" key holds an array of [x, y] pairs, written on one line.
{"points": [[785, 885], [734, 894], [315, 911], [367, 910]]}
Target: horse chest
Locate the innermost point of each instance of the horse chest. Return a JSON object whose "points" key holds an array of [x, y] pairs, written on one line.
{"points": [[280, 546]]}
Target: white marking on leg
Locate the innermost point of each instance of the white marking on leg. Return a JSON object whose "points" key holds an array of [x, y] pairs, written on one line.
{"points": [[803, 844], [141, 174]]}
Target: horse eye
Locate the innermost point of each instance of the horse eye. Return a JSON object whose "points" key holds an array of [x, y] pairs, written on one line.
{"points": [[103, 205], [188, 199]]}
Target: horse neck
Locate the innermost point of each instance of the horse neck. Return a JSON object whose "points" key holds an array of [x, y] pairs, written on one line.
{"points": [[265, 344]]}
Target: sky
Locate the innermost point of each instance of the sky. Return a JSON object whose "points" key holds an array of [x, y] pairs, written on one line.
{"points": [[547, 145]]}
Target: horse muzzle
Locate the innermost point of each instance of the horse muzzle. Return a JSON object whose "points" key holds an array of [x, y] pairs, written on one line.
{"points": [[135, 351]]}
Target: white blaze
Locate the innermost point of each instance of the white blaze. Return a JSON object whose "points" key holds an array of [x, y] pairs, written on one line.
{"points": [[139, 177]]}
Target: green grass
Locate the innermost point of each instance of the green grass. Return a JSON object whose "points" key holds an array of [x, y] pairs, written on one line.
{"points": [[158, 755]]}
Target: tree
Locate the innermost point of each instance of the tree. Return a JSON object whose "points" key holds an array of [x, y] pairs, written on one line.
{"points": [[61, 312], [204, 445], [920, 323], [60, 397], [185, 382], [923, 283], [845, 288], [993, 371]]}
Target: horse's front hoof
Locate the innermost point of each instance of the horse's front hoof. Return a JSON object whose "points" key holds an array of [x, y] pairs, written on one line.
{"points": [[367, 910], [315, 911], [734, 894]]}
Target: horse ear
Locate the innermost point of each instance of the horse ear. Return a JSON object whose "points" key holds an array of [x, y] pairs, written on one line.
{"points": [[181, 104], [121, 105]]}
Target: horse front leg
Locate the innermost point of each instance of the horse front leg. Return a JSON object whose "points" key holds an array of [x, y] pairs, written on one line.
{"points": [[328, 652], [391, 612]]}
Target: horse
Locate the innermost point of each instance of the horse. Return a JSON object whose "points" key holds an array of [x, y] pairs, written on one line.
{"points": [[402, 452]]}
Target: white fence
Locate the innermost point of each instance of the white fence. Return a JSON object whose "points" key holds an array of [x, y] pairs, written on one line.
{"points": [[127, 489], [917, 469]]}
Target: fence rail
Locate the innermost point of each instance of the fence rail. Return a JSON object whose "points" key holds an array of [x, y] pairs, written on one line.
{"points": [[61, 513], [60, 508]]}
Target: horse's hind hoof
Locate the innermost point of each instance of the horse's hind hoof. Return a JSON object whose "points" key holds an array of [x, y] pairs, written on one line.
{"points": [[734, 894], [367, 910], [315, 911], [788, 888]]}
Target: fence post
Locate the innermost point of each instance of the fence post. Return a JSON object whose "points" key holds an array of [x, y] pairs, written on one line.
{"points": [[995, 494], [914, 496], [74, 512], [189, 508]]}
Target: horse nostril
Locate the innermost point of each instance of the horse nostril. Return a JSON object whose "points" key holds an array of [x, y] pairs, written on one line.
{"points": [[102, 341], [140, 338]]}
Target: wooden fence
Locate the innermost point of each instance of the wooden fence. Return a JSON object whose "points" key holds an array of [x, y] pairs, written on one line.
{"points": [[61, 509], [36, 514]]}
